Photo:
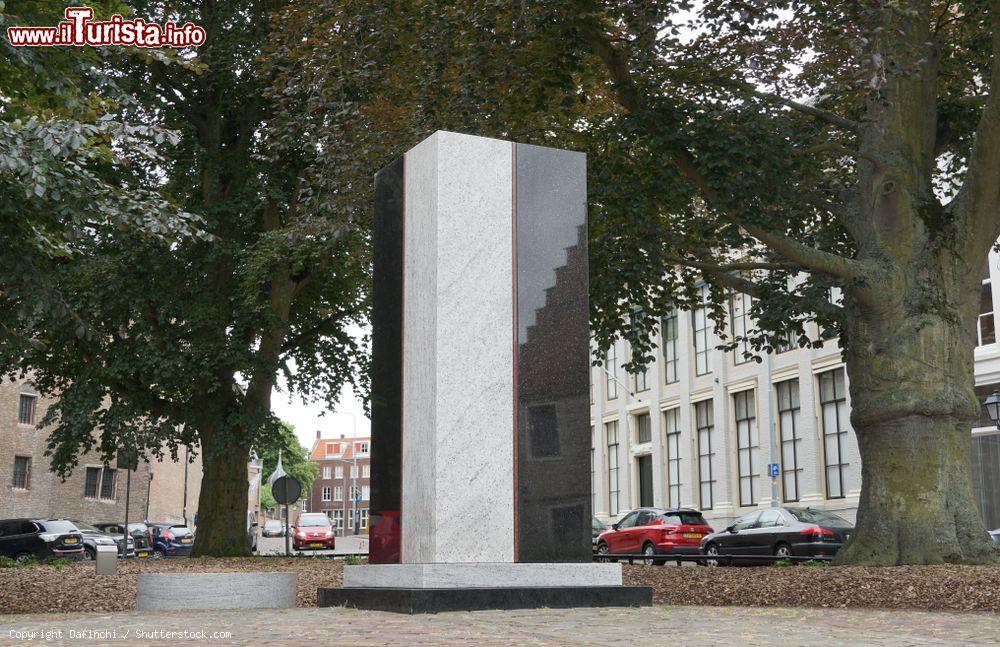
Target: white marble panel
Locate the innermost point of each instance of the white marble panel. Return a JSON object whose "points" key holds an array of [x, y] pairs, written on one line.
{"points": [[483, 575], [458, 352], [419, 428]]}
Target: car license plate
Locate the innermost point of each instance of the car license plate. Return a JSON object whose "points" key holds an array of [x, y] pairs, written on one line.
{"points": [[316, 545], [691, 535], [186, 540], [71, 540], [143, 554]]}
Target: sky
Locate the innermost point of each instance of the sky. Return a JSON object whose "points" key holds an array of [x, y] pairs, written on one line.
{"points": [[307, 418]]}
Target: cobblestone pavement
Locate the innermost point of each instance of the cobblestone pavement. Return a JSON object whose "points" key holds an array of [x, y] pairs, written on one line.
{"points": [[649, 626]]}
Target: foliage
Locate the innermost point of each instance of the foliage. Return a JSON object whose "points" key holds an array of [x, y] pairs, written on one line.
{"points": [[294, 460]]}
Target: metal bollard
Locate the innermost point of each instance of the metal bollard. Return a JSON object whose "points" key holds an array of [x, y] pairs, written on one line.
{"points": [[106, 559]]}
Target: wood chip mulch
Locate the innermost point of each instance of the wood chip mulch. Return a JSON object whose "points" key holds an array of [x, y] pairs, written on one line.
{"points": [[953, 588], [75, 587]]}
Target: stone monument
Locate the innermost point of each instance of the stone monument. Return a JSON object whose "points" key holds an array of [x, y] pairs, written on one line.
{"points": [[480, 385]]}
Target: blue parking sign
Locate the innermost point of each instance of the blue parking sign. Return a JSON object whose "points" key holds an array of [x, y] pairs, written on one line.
{"points": [[773, 469]]}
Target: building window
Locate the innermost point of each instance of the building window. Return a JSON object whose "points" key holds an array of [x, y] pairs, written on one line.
{"points": [[108, 478], [611, 433], [339, 472], [366, 471], [355, 491], [327, 494], [354, 471], [672, 425], [739, 312], [338, 520], [702, 335], [668, 342], [705, 424], [643, 429], [833, 402], [326, 472], [748, 446], [364, 448], [365, 493], [788, 427], [22, 473], [26, 409], [338, 493], [610, 360], [364, 518], [987, 328], [641, 380], [90, 483]]}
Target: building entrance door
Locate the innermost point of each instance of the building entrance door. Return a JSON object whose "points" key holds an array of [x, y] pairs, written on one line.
{"points": [[645, 471]]}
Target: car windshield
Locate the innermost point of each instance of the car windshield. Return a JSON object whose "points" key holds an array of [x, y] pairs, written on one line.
{"points": [[684, 519], [309, 520], [272, 524], [86, 527], [58, 525], [818, 517]]}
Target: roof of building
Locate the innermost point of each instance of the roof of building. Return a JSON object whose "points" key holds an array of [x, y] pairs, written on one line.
{"points": [[331, 448]]}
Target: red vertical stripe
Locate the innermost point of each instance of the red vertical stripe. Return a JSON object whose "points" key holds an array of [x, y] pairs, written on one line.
{"points": [[402, 357]]}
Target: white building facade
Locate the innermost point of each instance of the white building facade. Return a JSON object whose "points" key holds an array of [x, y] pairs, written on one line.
{"points": [[701, 426]]}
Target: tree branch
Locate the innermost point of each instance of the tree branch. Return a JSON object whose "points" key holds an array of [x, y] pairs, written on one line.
{"points": [[307, 335], [819, 113], [628, 95]]}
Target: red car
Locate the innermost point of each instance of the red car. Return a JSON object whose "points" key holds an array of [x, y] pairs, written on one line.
{"points": [[312, 530], [652, 532]]}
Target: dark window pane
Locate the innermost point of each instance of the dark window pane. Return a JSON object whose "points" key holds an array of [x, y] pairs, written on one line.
{"points": [[26, 410], [90, 484], [22, 469], [108, 483]]}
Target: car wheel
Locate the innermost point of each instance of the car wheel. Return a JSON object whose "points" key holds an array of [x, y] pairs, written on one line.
{"points": [[89, 554], [157, 554], [781, 551], [649, 550], [602, 552], [23, 558], [712, 551]]}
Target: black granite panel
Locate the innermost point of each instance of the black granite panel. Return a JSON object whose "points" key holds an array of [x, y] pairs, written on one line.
{"points": [[438, 600], [553, 507], [386, 365]]}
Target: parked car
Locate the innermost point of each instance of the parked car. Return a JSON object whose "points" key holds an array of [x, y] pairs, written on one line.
{"points": [[23, 539], [654, 532], [252, 534], [94, 537], [781, 532], [138, 532], [597, 527], [171, 540], [995, 534], [273, 528], [312, 530]]}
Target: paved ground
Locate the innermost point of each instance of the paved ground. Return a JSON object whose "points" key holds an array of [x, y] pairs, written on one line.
{"points": [[343, 546], [633, 627]]}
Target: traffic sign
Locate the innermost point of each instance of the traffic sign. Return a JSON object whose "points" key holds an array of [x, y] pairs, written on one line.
{"points": [[286, 490], [774, 469]]}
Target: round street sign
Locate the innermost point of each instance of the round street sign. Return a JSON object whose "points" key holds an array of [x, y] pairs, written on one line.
{"points": [[286, 490]]}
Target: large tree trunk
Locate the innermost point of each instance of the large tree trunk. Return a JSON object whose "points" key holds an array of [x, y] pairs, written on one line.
{"points": [[913, 407], [222, 504]]}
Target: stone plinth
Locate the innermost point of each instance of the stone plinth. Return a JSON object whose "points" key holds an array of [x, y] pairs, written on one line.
{"points": [[179, 591]]}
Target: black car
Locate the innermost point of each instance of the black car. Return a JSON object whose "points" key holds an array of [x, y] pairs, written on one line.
{"points": [[141, 536], [94, 537], [24, 539], [779, 532]]}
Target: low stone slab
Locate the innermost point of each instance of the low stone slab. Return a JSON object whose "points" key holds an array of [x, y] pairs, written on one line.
{"points": [[483, 575], [179, 591]]}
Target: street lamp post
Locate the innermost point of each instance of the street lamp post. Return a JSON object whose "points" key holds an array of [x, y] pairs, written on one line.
{"points": [[992, 405]]}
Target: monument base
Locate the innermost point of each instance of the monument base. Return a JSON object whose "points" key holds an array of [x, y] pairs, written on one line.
{"points": [[403, 600], [431, 588]]}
